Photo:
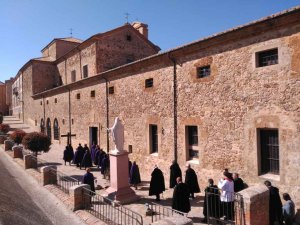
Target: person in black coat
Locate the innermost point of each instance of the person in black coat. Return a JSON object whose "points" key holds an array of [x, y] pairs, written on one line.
{"points": [[192, 181], [275, 204], [78, 156], [212, 203], [87, 159], [89, 178], [135, 177], [180, 201], [175, 172], [157, 183], [68, 154], [104, 165], [238, 182]]}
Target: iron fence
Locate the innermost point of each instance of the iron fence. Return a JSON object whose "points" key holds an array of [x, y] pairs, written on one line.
{"points": [[109, 211], [159, 212], [223, 208]]}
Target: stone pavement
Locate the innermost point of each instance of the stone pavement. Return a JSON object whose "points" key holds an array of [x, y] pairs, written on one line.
{"points": [[55, 156]]}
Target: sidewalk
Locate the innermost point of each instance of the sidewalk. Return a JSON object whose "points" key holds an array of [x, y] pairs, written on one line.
{"points": [[55, 156]]}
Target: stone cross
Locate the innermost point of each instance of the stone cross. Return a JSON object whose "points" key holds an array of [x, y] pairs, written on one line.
{"points": [[69, 136]]}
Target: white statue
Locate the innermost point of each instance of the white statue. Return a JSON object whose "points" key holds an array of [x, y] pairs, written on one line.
{"points": [[117, 134]]}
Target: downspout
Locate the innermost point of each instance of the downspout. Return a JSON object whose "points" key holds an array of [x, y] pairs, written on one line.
{"points": [[107, 113], [23, 99], [44, 108], [174, 104], [70, 123], [80, 62]]}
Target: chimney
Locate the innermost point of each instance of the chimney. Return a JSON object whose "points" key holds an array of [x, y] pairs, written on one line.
{"points": [[141, 27]]}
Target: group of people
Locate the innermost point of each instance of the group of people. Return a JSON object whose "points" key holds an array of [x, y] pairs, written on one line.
{"points": [[84, 157]]}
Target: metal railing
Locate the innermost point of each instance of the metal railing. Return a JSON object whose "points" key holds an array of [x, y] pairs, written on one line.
{"points": [[223, 208], [109, 211], [159, 212]]}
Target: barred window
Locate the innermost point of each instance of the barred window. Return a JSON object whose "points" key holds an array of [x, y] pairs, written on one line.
{"points": [[267, 58], [149, 83], [203, 71], [56, 129]]}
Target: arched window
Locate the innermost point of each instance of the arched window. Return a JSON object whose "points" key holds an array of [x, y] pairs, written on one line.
{"points": [[42, 126], [56, 129], [49, 128]]}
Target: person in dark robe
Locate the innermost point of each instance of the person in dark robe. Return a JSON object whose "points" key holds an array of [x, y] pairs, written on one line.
{"points": [[181, 201], [129, 167], [104, 165], [226, 170], [68, 155], [175, 172], [275, 204], [157, 183], [288, 210], [71, 147], [89, 178], [99, 156], [212, 203], [192, 181], [93, 152], [78, 156], [135, 177], [238, 182], [86, 160]]}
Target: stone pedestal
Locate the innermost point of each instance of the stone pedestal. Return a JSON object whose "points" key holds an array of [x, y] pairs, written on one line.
{"points": [[79, 199], [49, 175], [8, 144], [17, 152], [30, 162], [119, 190]]}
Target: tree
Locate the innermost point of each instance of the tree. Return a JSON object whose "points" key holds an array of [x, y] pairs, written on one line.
{"points": [[4, 128], [17, 136], [36, 142]]}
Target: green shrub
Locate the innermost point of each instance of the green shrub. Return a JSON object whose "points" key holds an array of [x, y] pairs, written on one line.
{"points": [[4, 128], [36, 142], [17, 136]]}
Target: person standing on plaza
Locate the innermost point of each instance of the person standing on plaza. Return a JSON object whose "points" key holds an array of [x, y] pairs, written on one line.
{"points": [[238, 183], [157, 183], [275, 204], [227, 196], [135, 177], [192, 181], [68, 155], [175, 172], [78, 156], [181, 201], [87, 160], [288, 210], [93, 152], [89, 178], [104, 165]]}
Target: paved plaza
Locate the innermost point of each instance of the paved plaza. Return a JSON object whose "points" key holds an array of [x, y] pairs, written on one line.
{"points": [[55, 155]]}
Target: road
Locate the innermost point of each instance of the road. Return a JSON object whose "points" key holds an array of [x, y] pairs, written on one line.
{"points": [[24, 201]]}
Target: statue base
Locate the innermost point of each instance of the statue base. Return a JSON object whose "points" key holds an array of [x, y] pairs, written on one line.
{"points": [[119, 190]]}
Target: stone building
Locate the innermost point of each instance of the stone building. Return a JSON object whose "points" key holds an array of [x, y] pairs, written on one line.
{"points": [[229, 100], [3, 105]]}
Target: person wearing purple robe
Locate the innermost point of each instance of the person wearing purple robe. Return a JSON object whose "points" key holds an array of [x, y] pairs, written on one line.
{"points": [[104, 165], [89, 178], [135, 177], [78, 156]]}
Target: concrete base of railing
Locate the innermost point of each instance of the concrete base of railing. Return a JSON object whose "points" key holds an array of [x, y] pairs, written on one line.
{"points": [[17, 152], [49, 175], [8, 144], [78, 197], [174, 220], [30, 162]]}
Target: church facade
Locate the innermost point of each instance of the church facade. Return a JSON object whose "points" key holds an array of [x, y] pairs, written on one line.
{"points": [[230, 100]]}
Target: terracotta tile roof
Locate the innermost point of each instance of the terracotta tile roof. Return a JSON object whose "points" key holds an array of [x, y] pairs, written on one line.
{"points": [[45, 59], [71, 39]]}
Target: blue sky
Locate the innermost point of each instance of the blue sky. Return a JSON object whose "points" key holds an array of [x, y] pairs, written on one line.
{"points": [[26, 26]]}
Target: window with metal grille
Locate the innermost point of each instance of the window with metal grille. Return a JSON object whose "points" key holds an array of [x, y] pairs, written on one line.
{"points": [[192, 140], [49, 128], [111, 90], [130, 148], [73, 76], [269, 147], [267, 58], [41, 103], [149, 83], [203, 71], [85, 71], [153, 138], [47, 102], [78, 96], [93, 93], [55, 100], [128, 37], [55, 129]]}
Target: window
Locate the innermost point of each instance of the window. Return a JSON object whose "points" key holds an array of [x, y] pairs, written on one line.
{"points": [[192, 141], [128, 37], [56, 129], [203, 71], [78, 96], [111, 90], [130, 148], [267, 58], [93, 94], [49, 128], [149, 83], [73, 76], [153, 138], [47, 102], [129, 60], [85, 71], [41, 103], [72, 121], [63, 121], [269, 147], [55, 100], [42, 126]]}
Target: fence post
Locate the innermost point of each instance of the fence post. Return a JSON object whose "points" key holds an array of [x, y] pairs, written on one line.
{"points": [[49, 175], [256, 205], [30, 162], [78, 197], [17, 152], [8, 144]]}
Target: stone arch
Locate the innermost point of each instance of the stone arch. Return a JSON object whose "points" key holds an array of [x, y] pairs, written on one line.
{"points": [[42, 126], [49, 128], [55, 129]]}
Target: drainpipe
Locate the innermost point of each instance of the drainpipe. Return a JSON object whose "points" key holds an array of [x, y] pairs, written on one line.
{"points": [[107, 113], [23, 99], [174, 104], [44, 108], [70, 123]]}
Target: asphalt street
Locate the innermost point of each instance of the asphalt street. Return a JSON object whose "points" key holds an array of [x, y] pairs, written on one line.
{"points": [[24, 201]]}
